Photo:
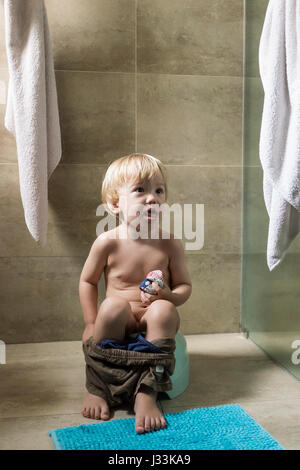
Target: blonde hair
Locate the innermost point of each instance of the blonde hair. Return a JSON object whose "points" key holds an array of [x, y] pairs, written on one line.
{"points": [[136, 167]]}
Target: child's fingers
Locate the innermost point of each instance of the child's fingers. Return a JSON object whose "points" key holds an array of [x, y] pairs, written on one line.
{"points": [[155, 286], [145, 297]]}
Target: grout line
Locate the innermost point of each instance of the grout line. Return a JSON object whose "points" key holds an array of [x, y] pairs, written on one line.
{"points": [[120, 72], [46, 416], [104, 165], [190, 253], [210, 403], [44, 256], [242, 322], [112, 72], [149, 73]]}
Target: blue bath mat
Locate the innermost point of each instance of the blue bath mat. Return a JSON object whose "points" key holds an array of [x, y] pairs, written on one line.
{"points": [[226, 427]]}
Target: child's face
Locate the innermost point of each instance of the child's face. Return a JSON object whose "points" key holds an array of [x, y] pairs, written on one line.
{"points": [[136, 197]]}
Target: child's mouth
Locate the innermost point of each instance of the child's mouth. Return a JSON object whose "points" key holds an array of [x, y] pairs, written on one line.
{"points": [[151, 213]]}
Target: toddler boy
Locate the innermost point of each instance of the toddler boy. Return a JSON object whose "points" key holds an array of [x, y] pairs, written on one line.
{"points": [[134, 184]]}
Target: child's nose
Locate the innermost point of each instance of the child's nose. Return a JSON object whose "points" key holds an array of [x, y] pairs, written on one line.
{"points": [[150, 198]]}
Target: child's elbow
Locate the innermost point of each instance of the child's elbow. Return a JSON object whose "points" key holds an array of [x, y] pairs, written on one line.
{"points": [[190, 288]]}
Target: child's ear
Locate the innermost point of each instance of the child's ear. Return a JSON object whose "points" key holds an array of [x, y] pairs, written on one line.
{"points": [[113, 207], [116, 208]]}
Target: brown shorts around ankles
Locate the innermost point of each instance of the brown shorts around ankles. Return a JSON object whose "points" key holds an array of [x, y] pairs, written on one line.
{"points": [[117, 374]]}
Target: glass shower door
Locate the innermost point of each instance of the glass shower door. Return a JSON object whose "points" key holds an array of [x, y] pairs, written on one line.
{"points": [[270, 300]]}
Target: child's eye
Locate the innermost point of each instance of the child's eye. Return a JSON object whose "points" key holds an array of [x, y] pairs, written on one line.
{"points": [[160, 190], [139, 187]]}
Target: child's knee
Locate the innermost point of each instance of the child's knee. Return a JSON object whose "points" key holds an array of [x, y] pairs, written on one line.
{"points": [[164, 313], [114, 309]]}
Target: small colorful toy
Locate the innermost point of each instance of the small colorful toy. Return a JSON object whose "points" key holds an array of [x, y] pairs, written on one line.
{"points": [[156, 276]]}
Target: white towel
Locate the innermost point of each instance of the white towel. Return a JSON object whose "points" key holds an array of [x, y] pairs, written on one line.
{"points": [[279, 146], [32, 110]]}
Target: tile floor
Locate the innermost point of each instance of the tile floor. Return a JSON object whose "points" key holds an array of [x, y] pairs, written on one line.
{"points": [[42, 387]]}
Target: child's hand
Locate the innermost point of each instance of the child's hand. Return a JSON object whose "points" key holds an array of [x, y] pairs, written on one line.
{"points": [[162, 293], [145, 297]]}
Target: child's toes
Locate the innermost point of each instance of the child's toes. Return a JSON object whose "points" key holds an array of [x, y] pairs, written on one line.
{"points": [[147, 424], [157, 424], [163, 422], [140, 425], [153, 424], [105, 413]]}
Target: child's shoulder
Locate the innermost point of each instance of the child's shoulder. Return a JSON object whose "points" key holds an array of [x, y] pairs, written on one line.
{"points": [[104, 241], [108, 235], [171, 241]]}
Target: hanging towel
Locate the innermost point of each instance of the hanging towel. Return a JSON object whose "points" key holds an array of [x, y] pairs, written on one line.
{"points": [[279, 146], [32, 110]]}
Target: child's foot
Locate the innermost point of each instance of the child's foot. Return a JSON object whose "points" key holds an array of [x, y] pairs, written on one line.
{"points": [[148, 416], [95, 407]]}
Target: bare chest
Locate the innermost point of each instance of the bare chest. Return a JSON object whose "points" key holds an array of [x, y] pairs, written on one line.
{"points": [[129, 264]]}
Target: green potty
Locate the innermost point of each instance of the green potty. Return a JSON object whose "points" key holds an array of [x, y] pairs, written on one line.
{"points": [[181, 375]]}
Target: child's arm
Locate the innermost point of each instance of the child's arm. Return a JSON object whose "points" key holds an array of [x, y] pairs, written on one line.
{"points": [[88, 284], [181, 283]]}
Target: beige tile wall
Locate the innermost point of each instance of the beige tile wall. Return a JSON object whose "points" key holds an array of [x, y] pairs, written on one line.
{"points": [[152, 76]]}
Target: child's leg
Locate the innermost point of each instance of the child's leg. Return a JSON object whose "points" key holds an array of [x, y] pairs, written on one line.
{"points": [[113, 320], [161, 321]]}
